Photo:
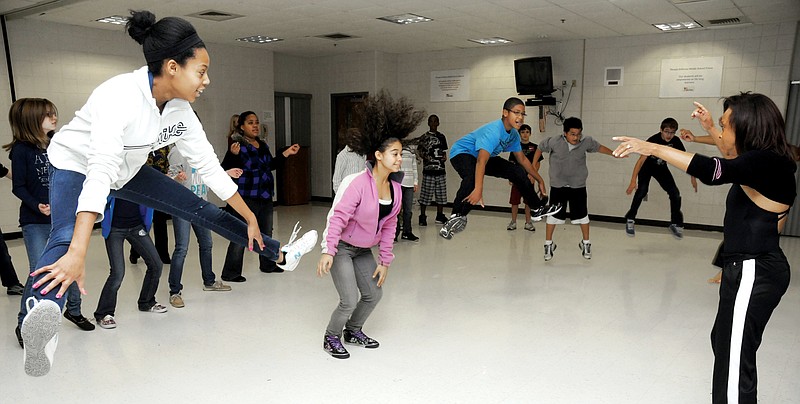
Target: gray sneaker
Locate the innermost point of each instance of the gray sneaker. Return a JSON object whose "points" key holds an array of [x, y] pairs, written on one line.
{"points": [[586, 249], [158, 308], [217, 286], [455, 224], [677, 231], [512, 226], [529, 226], [548, 251], [40, 335], [630, 230]]}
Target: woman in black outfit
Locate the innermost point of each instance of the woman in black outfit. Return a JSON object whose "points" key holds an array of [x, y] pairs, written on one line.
{"points": [[755, 272]]}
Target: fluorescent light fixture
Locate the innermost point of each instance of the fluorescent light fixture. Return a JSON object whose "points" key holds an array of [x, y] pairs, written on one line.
{"points": [[114, 19], [259, 39], [491, 41], [677, 26], [404, 19]]}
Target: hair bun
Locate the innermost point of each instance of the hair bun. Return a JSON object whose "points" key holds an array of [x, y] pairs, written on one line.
{"points": [[140, 24]]}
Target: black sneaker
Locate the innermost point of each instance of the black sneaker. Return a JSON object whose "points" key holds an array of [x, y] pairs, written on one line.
{"points": [[237, 279], [15, 290], [82, 322], [333, 345], [357, 337], [409, 237], [441, 218], [545, 210], [423, 220], [19, 337]]}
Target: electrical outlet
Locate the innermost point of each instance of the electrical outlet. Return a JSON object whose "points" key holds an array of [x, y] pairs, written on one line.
{"points": [[574, 83]]}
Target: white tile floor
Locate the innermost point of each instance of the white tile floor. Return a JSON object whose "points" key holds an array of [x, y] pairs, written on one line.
{"points": [[478, 319]]}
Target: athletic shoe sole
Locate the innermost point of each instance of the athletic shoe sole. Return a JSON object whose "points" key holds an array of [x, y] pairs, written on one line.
{"points": [[38, 329], [550, 212]]}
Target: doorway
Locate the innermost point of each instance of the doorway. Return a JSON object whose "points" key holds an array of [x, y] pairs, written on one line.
{"points": [[344, 115]]}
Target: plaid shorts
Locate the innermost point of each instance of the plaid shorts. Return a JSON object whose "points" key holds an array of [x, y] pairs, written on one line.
{"points": [[434, 189]]}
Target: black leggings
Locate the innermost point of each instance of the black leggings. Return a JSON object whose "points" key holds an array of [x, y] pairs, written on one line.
{"points": [[495, 167]]}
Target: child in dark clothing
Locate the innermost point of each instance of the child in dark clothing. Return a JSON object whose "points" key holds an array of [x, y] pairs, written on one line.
{"points": [[648, 167], [529, 150], [128, 221]]}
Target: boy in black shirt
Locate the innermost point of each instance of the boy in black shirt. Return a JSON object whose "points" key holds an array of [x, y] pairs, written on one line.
{"points": [[653, 167], [529, 150]]}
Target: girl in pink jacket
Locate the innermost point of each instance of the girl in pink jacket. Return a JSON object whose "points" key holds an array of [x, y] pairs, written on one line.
{"points": [[364, 214]]}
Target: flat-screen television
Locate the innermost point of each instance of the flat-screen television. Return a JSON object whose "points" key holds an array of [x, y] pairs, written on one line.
{"points": [[534, 75]]}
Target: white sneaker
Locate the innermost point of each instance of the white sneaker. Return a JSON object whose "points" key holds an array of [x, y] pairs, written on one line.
{"points": [[512, 226], [548, 251], [586, 249], [107, 322], [296, 249], [529, 226], [40, 335]]}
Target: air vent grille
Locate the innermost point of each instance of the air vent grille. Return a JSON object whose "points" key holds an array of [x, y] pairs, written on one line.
{"points": [[725, 21], [215, 15], [336, 37]]}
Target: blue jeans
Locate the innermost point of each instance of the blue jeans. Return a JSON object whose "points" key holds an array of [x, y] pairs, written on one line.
{"points": [[181, 228], [35, 237], [234, 258], [140, 241], [351, 273], [148, 187]]}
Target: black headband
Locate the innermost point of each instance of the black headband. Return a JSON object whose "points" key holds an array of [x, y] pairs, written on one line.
{"points": [[160, 54]]}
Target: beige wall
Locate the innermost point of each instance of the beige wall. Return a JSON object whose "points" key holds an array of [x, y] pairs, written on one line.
{"points": [[73, 60]]}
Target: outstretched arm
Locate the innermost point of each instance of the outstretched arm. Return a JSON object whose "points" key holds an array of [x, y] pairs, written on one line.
{"points": [[531, 169], [606, 150], [628, 145]]}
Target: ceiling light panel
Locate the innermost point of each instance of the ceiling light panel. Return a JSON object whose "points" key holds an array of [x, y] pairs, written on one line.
{"points": [[259, 39], [677, 26], [404, 19], [491, 41], [113, 19]]}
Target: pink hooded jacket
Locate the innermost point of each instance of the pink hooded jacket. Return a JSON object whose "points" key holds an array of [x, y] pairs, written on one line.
{"points": [[353, 217]]}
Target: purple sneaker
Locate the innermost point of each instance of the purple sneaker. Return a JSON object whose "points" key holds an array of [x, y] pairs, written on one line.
{"points": [[357, 337], [333, 345]]}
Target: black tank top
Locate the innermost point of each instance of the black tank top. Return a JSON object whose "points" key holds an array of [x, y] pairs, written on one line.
{"points": [[748, 229]]}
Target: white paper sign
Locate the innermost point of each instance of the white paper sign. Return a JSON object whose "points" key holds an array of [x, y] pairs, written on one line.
{"points": [[450, 85], [691, 78]]}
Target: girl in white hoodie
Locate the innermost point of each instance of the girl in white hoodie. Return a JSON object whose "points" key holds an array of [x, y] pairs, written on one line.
{"points": [[102, 151]]}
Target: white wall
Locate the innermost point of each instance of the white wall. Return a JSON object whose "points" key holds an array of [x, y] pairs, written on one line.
{"points": [[65, 63], [756, 58]]}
